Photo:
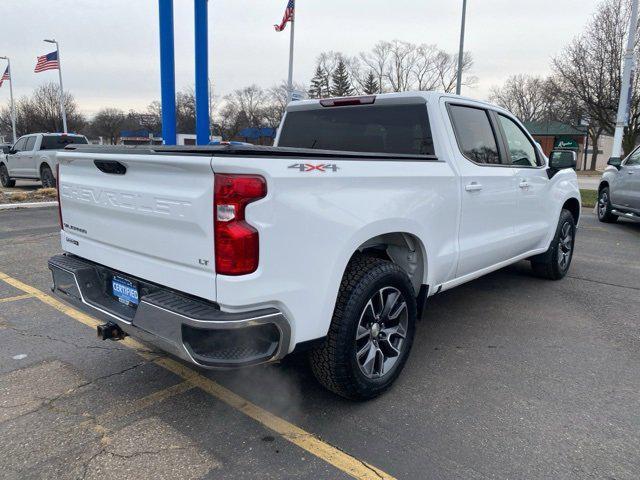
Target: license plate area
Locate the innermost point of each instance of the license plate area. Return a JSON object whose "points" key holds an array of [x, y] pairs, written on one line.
{"points": [[125, 291]]}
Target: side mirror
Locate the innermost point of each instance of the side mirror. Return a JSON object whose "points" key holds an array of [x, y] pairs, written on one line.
{"points": [[615, 162], [12, 151], [561, 159]]}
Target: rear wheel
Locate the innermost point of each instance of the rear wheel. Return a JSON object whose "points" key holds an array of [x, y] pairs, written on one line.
{"points": [[371, 332], [6, 181], [555, 262], [46, 175], [604, 207]]}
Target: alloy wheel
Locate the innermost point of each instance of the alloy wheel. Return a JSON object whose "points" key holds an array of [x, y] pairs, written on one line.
{"points": [[381, 332], [565, 246], [603, 203]]}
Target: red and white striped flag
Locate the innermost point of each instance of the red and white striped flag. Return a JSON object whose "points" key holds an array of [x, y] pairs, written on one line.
{"points": [[47, 62], [288, 16], [6, 76]]}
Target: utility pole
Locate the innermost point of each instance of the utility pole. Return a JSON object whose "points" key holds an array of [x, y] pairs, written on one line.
{"points": [[62, 109], [13, 106], [626, 91], [461, 52]]}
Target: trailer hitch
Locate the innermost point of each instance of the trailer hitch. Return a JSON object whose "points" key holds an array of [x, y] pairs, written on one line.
{"points": [[110, 331]]}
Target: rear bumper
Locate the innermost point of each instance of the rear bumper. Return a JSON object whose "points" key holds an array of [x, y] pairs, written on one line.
{"points": [[192, 329]]}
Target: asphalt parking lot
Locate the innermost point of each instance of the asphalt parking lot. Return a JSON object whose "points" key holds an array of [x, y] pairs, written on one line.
{"points": [[510, 377]]}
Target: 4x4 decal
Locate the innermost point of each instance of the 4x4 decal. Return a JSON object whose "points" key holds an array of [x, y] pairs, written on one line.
{"points": [[310, 167]]}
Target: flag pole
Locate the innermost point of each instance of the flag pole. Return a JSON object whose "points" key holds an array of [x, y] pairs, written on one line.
{"points": [[13, 106], [291, 44], [62, 109]]}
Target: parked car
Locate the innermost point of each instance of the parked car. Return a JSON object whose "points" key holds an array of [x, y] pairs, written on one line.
{"points": [[33, 157], [619, 190], [330, 242]]}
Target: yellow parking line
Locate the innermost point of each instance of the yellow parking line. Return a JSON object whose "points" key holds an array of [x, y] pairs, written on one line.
{"points": [[17, 297], [294, 434]]}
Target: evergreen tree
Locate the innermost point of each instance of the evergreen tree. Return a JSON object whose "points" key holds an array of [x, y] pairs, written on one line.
{"points": [[371, 85], [317, 84], [340, 82]]}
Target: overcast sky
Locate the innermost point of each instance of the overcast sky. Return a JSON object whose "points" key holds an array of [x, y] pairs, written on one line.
{"points": [[110, 57]]}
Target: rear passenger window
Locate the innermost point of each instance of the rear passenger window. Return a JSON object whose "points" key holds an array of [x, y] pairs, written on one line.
{"points": [[474, 134]]}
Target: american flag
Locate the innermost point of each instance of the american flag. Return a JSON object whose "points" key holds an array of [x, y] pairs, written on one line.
{"points": [[47, 62], [288, 16], [6, 76]]}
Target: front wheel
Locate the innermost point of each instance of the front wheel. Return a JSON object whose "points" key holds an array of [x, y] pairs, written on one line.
{"points": [[5, 179], [371, 331], [604, 207], [48, 180], [555, 262]]}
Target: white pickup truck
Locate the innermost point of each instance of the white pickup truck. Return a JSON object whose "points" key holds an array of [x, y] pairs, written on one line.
{"points": [[331, 241], [33, 157]]}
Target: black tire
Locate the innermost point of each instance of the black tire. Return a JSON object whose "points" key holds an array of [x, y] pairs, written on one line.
{"points": [[5, 179], [555, 262], [335, 363], [604, 206], [47, 178]]}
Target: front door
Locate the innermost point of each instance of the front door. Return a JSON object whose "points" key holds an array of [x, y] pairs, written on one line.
{"points": [[14, 160], [488, 189], [621, 189], [26, 159], [534, 218]]}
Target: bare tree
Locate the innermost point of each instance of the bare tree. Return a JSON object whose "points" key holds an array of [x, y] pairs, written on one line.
{"points": [[590, 71], [528, 97], [446, 65], [108, 123], [402, 56], [377, 61], [41, 112]]}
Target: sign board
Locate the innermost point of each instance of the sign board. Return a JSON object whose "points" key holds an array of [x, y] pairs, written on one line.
{"points": [[565, 143]]}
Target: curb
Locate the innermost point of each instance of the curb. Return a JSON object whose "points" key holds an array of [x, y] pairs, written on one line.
{"points": [[16, 206]]}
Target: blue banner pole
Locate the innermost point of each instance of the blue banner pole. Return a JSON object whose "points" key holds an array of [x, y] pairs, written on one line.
{"points": [[167, 72], [202, 71]]}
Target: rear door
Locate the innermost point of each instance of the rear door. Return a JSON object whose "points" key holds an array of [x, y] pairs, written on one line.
{"points": [[489, 203], [534, 215]]}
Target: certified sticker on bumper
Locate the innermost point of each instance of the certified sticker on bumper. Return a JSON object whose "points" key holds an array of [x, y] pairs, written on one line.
{"points": [[125, 291]]}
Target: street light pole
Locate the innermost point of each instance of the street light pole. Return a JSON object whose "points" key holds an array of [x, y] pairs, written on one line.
{"points": [[13, 107], [62, 109], [624, 105], [461, 52]]}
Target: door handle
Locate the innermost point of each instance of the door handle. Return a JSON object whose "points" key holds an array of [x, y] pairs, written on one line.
{"points": [[473, 187], [629, 172], [524, 185]]}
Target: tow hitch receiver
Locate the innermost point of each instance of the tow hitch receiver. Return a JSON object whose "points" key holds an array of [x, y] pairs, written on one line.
{"points": [[110, 331]]}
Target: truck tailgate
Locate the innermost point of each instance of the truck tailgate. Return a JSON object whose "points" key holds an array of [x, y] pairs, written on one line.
{"points": [[152, 219]]}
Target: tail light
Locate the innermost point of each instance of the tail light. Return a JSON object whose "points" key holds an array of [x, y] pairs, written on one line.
{"points": [[236, 242], [59, 198]]}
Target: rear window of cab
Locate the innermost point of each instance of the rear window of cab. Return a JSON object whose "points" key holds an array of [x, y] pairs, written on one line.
{"points": [[394, 129]]}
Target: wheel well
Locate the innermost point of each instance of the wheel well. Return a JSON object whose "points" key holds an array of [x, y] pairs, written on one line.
{"points": [[602, 185], [403, 249], [42, 165], [574, 207]]}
